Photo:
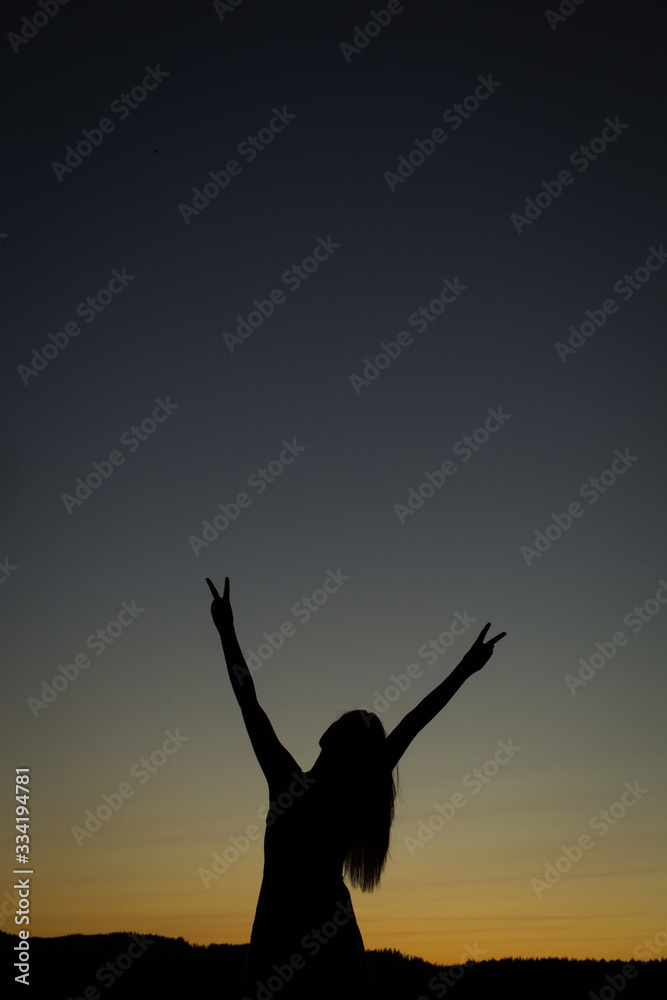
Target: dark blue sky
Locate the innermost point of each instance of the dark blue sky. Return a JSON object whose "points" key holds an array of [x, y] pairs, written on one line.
{"points": [[143, 383]]}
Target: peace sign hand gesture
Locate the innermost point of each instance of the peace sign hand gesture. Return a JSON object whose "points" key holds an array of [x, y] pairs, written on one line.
{"points": [[480, 652], [221, 608]]}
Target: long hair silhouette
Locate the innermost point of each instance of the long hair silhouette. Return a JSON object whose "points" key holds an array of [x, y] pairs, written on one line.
{"points": [[372, 797], [322, 824]]}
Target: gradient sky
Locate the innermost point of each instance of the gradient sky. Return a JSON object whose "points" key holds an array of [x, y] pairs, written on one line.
{"points": [[333, 509]]}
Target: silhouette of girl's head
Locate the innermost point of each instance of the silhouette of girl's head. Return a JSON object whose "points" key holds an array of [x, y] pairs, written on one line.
{"points": [[354, 733]]}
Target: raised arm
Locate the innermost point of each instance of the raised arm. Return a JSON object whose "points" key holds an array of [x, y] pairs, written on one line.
{"points": [[275, 761], [402, 736]]}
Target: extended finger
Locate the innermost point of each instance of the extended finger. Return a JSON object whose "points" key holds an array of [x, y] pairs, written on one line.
{"points": [[215, 593], [226, 590], [496, 638]]}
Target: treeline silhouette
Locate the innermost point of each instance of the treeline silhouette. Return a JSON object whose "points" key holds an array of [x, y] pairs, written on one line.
{"points": [[138, 966]]}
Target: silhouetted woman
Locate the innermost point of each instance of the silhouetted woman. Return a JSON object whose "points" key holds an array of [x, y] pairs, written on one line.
{"points": [[332, 820]]}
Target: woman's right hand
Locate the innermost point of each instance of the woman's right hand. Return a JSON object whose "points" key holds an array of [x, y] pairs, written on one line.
{"points": [[480, 652]]}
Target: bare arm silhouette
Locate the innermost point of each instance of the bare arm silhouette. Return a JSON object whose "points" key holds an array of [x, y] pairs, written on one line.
{"points": [[275, 761], [402, 736]]}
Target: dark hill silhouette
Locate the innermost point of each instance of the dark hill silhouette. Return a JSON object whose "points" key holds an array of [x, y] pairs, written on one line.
{"points": [[171, 969]]}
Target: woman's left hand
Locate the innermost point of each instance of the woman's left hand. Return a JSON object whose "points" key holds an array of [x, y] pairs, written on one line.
{"points": [[221, 608]]}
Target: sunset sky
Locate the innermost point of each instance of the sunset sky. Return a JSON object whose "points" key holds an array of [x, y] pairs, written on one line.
{"points": [[411, 343]]}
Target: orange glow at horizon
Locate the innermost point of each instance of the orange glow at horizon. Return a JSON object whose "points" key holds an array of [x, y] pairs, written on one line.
{"points": [[463, 895]]}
